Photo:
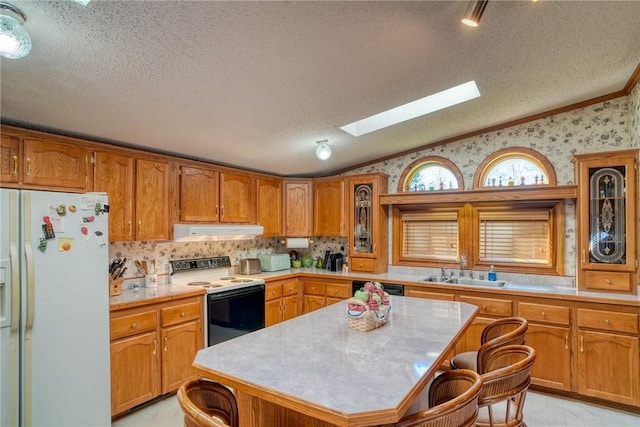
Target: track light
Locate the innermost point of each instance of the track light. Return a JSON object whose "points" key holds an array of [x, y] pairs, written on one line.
{"points": [[474, 12], [15, 42], [323, 152]]}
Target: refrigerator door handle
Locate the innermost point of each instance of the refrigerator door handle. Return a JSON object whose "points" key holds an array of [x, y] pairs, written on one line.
{"points": [[28, 253], [15, 308]]}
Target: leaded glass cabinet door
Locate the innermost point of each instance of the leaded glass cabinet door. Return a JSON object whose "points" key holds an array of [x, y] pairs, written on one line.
{"points": [[607, 221], [368, 225]]}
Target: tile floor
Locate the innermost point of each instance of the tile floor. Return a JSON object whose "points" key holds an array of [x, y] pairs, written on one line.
{"points": [[541, 410]]}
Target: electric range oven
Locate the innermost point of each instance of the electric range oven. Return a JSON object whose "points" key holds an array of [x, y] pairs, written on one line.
{"points": [[234, 304]]}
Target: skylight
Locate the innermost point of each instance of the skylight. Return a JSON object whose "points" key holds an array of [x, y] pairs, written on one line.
{"points": [[420, 107]]}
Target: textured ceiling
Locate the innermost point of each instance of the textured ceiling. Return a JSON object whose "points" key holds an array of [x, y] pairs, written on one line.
{"points": [[255, 84]]}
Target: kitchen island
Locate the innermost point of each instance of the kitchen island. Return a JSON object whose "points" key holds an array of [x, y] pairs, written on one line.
{"points": [[315, 371]]}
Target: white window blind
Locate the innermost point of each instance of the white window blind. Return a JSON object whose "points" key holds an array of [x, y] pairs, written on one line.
{"points": [[516, 237], [430, 235]]}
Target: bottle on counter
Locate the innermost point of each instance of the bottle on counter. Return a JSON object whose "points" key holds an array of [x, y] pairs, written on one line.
{"points": [[492, 274]]}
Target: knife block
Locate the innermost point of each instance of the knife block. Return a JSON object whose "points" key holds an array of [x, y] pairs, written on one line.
{"points": [[115, 286]]}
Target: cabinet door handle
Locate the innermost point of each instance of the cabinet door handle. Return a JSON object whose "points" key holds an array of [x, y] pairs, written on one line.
{"points": [[217, 210], [566, 341], [607, 321], [543, 314], [139, 227], [182, 314], [15, 165], [130, 229], [134, 325], [155, 346], [166, 343], [28, 166], [221, 211], [581, 344], [584, 256], [607, 281]]}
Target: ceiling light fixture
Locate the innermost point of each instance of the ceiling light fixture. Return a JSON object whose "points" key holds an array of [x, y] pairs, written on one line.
{"points": [[15, 42], [82, 2], [474, 12], [420, 107], [323, 152]]}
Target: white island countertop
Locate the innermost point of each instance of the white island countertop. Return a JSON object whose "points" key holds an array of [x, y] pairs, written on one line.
{"points": [[315, 365]]}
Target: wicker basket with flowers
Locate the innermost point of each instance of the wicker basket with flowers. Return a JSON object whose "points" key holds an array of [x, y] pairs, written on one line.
{"points": [[369, 307]]}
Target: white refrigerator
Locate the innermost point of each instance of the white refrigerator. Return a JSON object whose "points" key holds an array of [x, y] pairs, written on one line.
{"points": [[54, 309]]}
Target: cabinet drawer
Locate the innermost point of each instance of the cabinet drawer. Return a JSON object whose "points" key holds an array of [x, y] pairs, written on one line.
{"points": [[290, 287], [420, 293], [335, 290], [361, 264], [273, 291], [180, 313], [608, 320], [314, 288], [543, 313], [133, 324], [608, 281], [493, 307]]}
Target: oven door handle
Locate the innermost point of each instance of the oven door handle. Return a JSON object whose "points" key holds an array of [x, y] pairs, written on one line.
{"points": [[235, 292]]}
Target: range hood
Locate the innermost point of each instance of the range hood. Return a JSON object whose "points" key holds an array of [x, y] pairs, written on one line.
{"points": [[215, 232]]}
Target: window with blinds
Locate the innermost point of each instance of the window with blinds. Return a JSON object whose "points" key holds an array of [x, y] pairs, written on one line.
{"points": [[430, 236], [519, 237]]}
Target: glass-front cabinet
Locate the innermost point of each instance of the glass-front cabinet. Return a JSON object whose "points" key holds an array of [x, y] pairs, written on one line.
{"points": [[368, 224], [607, 221]]}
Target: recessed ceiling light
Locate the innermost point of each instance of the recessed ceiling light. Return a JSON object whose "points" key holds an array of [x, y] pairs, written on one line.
{"points": [[417, 108]]}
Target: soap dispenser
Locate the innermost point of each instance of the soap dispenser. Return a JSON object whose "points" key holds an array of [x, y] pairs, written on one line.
{"points": [[492, 274]]}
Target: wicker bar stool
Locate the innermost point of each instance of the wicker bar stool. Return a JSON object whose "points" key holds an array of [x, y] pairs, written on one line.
{"points": [[453, 401], [207, 404], [505, 331], [504, 386]]}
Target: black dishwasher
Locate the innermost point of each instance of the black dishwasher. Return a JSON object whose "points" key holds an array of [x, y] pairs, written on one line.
{"points": [[390, 288]]}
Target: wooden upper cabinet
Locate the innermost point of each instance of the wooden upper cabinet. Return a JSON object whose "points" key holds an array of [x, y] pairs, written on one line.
{"points": [[269, 205], [368, 232], [209, 195], [607, 221], [329, 207], [237, 197], [298, 207], [152, 200], [55, 164], [198, 194], [10, 169], [114, 174]]}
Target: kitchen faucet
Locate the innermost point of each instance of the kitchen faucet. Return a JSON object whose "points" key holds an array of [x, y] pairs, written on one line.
{"points": [[463, 264]]}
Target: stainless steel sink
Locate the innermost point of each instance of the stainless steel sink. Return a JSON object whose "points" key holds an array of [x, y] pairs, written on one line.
{"points": [[480, 282], [438, 279]]}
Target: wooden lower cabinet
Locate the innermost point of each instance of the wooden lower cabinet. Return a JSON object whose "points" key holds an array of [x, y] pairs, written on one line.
{"points": [[490, 309], [608, 360], [549, 334], [152, 350], [282, 301], [318, 293], [134, 371]]}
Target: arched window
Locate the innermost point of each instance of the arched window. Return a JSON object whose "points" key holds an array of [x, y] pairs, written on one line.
{"points": [[430, 173], [514, 166]]}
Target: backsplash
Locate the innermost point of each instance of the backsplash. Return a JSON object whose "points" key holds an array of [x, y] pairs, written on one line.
{"points": [[164, 251]]}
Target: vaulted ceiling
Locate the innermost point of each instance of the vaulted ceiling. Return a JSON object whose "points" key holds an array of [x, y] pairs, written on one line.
{"points": [[255, 84]]}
